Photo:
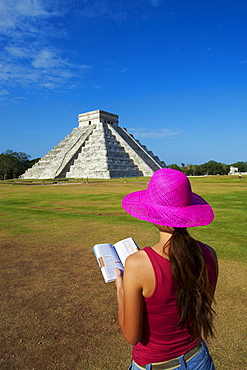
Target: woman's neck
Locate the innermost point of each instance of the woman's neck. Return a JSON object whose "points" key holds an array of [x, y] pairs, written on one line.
{"points": [[159, 247]]}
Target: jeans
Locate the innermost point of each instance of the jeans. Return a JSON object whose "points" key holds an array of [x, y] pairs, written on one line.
{"points": [[201, 361]]}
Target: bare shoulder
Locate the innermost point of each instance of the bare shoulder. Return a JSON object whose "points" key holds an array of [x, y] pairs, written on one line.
{"points": [[136, 259], [139, 272]]}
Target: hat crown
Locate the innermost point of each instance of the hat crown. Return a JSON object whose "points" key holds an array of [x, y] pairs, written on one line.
{"points": [[171, 188]]}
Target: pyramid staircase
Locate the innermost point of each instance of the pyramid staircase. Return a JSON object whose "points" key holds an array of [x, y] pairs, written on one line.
{"points": [[98, 148]]}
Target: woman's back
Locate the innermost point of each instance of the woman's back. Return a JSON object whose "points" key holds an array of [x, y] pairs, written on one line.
{"points": [[162, 339]]}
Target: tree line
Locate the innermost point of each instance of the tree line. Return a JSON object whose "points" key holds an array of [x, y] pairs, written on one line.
{"points": [[209, 168], [13, 164]]}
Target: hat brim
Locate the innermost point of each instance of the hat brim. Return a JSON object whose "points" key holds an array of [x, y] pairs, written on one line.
{"points": [[198, 213]]}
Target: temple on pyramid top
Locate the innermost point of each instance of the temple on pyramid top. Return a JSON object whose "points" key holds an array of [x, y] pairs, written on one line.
{"points": [[97, 116], [97, 148]]}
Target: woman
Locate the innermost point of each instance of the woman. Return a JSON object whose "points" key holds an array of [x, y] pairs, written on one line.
{"points": [[165, 297]]}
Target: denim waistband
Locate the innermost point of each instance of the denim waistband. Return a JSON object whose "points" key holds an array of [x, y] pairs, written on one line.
{"points": [[174, 363]]}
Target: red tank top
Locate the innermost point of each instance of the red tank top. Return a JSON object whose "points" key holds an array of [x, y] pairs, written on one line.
{"points": [[162, 340]]}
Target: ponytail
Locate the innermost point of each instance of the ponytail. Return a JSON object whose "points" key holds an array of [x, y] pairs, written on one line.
{"points": [[194, 294]]}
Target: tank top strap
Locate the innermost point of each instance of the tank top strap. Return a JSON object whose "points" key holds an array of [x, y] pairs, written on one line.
{"points": [[161, 268]]}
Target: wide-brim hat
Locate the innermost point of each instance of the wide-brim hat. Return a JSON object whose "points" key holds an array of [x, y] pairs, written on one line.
{"points": [[169, 201]]}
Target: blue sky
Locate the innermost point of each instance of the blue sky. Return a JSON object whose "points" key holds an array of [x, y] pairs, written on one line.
{"points": [[175, 71]]}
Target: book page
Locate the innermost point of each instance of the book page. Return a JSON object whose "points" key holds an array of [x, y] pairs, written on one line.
{"points": [[108, 260], [125, 247]]}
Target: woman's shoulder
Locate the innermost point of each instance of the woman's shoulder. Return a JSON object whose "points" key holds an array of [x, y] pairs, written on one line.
{"points": [[137, 259], [210, 249], [139, 268]]}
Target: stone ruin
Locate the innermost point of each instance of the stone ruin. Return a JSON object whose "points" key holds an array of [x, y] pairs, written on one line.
{"points": [[97, 148], [235, 171]]}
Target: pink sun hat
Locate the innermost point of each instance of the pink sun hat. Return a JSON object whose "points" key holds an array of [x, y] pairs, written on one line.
{"points": [[169, 201]]}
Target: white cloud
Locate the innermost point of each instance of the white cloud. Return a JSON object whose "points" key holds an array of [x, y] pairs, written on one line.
{"points": [[20, 65], [154, 134], [29, 57], [85, 66], [4, 92], [17, 52], [30, 8], [36, 68], [14, 13], [46, 59]]}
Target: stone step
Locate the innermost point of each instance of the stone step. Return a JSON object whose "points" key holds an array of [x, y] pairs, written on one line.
{"points": [[147, 156]]}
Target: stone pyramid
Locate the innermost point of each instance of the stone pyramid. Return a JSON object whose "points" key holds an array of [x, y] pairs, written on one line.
{"points": [[97, 148]]}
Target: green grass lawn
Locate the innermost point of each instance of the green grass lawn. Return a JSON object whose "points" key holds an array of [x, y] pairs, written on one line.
{"points": [[56, 310]]}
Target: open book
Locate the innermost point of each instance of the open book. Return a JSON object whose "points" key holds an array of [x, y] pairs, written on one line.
{"points": [[110, 256]]}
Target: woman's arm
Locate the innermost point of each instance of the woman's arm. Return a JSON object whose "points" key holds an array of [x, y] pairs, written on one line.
{"points": [[130, 299]]}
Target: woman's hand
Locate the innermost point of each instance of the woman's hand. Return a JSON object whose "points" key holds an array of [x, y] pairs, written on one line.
{"points": [[119, 279], [120, 291]]}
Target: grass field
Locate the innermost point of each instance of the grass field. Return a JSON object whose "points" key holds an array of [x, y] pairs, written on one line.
{"points": [[56, 311]]}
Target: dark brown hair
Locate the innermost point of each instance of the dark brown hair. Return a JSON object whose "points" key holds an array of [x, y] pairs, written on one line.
{"points": [[195, 294]]}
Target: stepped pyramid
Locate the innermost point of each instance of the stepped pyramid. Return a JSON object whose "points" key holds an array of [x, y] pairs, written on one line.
{"points": [[97, 148]]}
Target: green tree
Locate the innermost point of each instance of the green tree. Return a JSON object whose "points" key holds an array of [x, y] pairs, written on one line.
{"points": [[13, 164], [174, 166], [192, 170], [242, 166], [215, 168], [209, 168]]}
